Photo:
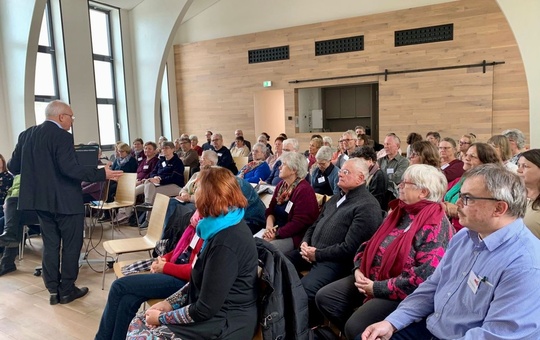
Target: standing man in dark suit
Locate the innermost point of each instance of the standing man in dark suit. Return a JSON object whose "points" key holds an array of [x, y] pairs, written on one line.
{"points": [[51, 185]]}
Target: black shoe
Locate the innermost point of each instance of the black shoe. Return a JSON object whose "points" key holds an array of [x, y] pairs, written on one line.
{"points": [[75, 294], [144, 206], [8, 240], [53, 299], [6, 270], [104, 218]]}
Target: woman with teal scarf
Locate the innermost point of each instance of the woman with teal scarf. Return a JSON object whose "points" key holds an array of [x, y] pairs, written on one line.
{"points": [[477, 154], [219, 302]]}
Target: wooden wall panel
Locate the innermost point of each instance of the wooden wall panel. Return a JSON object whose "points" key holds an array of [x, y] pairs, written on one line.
{"points": [[216, 84]]}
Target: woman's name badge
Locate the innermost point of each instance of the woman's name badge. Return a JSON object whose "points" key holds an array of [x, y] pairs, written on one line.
{"points": [[194, 241], [139, 159], [321, 180], [164, 164], [288, 207], [145, 167]]}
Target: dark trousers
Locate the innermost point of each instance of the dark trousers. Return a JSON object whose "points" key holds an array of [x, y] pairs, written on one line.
{"points": [[12, 225], [126, 296], [62, 235], [338, 300], [415, 331], [320, 274]]}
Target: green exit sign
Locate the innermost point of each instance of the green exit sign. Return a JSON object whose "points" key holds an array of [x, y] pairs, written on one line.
{"points": [[267, 83]]}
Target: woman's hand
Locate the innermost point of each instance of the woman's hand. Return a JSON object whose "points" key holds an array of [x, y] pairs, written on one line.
{"points": [[364, 285], [152, 317], [155, 180], [270, 233], [450, 209], [158, 265], [184, 196], [162, 306]]}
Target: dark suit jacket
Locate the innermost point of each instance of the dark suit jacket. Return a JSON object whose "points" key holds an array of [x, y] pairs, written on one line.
{"points": [[50, 174]]}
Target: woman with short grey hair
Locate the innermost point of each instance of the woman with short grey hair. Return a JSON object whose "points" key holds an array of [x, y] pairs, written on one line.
{"points": [[324, 176], [293, 207], [256, 170]]}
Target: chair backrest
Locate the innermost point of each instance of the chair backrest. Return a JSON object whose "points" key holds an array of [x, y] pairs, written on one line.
{"points": [[266, 198], [125, 189], [186, 173], [157, 217], [240, 161]]}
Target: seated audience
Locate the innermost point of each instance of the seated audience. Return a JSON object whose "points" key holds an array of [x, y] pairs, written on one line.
{"points": [[240, 133], [478, 154], [194, 141], [345, 222], [224, 155], [402, 253], [124, 161], [220, 300], [464, 143], [289, 145], [362, 140], [293, 207], [516, 138], [167, 177], [256, 170], [324, 174], [188, 156], [433, 137], [208, 144], [412, 137], [278, 144], [339, 151], [376, 181], [450, 165], [529, 171], [169, 273], [393, 164], [265, 137], [148, 164], [502, 147], [485, 286], [239, 148], [423, 152], [137, 150], [349, 144], [314, 146]]}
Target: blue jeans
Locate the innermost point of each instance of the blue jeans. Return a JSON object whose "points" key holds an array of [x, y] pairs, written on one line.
{"points": [[126, 296]]}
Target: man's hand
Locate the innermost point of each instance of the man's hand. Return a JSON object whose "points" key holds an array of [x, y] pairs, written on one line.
{"points": [[381, 330], [450, 209], [307, 252], [112, 174]]}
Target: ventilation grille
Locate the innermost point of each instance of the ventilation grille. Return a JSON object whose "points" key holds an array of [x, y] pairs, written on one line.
{"points": [[424, 35], [341, 45], [268, 54]]}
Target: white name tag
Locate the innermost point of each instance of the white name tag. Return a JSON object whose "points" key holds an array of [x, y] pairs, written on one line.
{"points": [[346, 157], [139, 159], [219, 154], [145, 167], [194, 241], [288, 207], [473, 282], [390, 171], [321, 180], [164, 164]]}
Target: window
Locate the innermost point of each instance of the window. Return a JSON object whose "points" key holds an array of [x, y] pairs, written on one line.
{"points": [[104, 77], [46, 82]]}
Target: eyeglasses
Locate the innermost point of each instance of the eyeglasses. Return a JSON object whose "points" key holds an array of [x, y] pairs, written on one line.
{"points": [[463, 143], [344, 171], [346, 140], [413, 154], [403, 183], [444, 147], [466, 199], [71, 116]]}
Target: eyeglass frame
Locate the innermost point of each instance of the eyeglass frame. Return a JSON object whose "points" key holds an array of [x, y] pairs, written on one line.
{"points": [[465, 198]]}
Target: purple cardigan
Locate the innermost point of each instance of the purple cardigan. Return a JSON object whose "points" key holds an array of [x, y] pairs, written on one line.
{"points": [[303, 214]]}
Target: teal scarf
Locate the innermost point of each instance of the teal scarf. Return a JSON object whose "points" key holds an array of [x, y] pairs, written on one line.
{"points": [[452, 194], [209, 226]]}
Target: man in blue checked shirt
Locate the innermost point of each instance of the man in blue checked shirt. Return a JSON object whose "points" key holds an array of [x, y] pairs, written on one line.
{"points": [[486, 286]]}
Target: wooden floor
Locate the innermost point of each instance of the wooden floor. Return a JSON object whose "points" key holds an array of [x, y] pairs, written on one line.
{"points": [[25, 312]]}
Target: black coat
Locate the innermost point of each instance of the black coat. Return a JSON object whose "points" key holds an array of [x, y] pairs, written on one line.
{"points": [[283, 303], [50, 174]]}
